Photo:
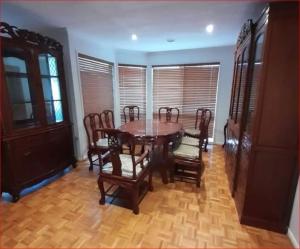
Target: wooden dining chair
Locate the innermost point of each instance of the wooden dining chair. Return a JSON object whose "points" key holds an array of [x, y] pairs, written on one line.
{"points": [[126, 171], [192, 135], [186, 160], [131, 113], [168, 112], [97, 145], [107, 119]]}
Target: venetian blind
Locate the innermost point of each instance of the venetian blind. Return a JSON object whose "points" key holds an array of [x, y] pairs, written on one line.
{"points": [[132, 85], [96, 84], [167, 88], [187, 87]]}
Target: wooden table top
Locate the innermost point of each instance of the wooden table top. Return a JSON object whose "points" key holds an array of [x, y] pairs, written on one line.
{"points": [[152, 128]]}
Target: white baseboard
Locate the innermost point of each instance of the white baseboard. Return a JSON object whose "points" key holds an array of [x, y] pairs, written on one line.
{"points": [[292, 238]]}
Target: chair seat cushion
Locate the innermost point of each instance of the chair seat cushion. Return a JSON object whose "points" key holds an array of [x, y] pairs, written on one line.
{"points": [[193, 132], [103, 142], [187, 151], [190, 141], [127, 167]]}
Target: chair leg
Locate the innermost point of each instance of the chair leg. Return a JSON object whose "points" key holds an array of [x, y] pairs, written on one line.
{"points": [[199, 174], [198, 181], [142, 149], [206, 143], [150, 181], [172, 171], [135, 194], [91, 160], [102, 191], [100, 160]]}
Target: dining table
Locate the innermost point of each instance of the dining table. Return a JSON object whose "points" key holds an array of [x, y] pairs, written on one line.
{"points": [[160, 133]]}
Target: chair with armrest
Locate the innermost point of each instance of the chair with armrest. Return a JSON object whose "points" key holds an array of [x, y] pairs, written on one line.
{"points": [[191, 136], [97, 144], [126, 171], [186, 160], [131, 113], [171, 114]]}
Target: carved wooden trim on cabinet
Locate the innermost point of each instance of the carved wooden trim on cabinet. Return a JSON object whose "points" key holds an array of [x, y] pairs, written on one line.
{"points": [[29, 37]]}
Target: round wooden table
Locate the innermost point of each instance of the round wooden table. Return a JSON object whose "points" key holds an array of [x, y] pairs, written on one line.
{"points": [[151, 128], [158, 131]]}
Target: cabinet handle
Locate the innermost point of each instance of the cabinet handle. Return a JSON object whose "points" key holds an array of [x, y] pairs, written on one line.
{"points": [[27, 153]]}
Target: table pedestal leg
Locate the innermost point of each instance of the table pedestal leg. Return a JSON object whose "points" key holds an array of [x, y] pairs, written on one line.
{"points": [[160, 161], [165, 166], [164, 175]]}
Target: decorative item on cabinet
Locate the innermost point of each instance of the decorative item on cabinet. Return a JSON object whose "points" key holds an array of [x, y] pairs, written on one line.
{"points": [[36, 132], [265, 130]]}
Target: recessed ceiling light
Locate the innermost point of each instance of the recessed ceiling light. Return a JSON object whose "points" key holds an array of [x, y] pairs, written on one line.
{"points": [[209, 28], [134, 37], [170, 40]]}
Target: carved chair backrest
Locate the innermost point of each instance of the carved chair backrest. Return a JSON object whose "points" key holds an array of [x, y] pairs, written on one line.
{"points": [[133, 112], [198, 117], [204, 122], [92, 122], [107, 119], [169, 111], [116, 139]]}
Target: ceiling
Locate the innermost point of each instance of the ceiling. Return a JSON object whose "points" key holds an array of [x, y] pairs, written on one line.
{"points": [[111, 23]]}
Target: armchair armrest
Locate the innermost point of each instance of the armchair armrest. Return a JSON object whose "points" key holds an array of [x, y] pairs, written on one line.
{"points": [[141, 158], [105, 155]]}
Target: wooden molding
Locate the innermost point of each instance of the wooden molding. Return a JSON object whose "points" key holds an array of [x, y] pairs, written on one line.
{"points": [[29, 37]]}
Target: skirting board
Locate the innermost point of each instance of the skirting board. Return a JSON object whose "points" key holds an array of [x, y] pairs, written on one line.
{"points": [[293, 239]]}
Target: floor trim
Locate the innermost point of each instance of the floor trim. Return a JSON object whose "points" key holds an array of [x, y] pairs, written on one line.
{"points": [[292, 238]]}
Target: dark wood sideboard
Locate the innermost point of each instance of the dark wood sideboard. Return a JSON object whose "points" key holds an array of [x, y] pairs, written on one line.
{"points": [[36, 140], [262, 129]]}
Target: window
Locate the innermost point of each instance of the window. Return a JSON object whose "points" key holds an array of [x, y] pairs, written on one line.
{"points": [[186, 87], [132, 84], [167, 88], [96, 84]]}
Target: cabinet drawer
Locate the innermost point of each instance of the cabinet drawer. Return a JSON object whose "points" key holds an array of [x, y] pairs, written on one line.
{"points": [[60, 148], [29, 161]]}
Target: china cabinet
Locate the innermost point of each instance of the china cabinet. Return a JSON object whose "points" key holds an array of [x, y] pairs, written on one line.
{"points": [[36, 131], [262, 129]]}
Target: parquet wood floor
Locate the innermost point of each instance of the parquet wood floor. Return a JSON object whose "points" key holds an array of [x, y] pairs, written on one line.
{"points": [[65, 213]]}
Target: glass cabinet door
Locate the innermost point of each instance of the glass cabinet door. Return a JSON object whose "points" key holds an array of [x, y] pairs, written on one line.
{"points": [[237, 86], [243, 83], [233, 90], [20, 90], [258, 48], [51, 88]]}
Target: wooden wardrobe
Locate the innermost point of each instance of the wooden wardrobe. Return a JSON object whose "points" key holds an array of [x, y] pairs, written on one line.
{"points": [[36, 139], [262, 129]]}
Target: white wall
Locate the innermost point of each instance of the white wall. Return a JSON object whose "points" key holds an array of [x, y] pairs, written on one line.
{"points": [[131, 57], [224, 55], [293, 231]]}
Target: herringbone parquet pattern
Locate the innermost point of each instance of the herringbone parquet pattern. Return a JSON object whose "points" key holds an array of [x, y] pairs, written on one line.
{"points": [[66, 213]]}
